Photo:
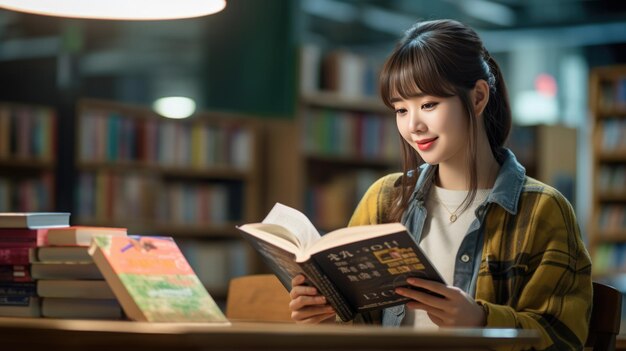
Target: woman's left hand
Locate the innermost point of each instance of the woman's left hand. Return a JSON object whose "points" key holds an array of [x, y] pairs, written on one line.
{"points": [[454, 309]]}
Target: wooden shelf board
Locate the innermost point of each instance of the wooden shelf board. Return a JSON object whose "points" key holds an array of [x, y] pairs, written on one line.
{"points": [[610, 236], [612, 156], [334, 100], [611, 113], [351, 160], [30, 163], [214, 172], [610, 273], [612, 197]]}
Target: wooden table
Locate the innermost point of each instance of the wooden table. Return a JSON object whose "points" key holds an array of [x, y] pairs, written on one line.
{"points": [[71, 335]]}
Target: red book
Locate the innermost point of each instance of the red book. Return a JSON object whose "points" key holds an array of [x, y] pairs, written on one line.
{"points": [[21, 237], [14, 255], [15, 273]]}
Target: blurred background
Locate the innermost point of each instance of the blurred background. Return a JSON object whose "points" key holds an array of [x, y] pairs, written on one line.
{"points": [[283, 106]]}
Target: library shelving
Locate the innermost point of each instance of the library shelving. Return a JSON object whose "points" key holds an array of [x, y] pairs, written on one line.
{"points": [[27, 157], [347, 143], [607, 228], [340, 142], [192, 179], [548, 152]]}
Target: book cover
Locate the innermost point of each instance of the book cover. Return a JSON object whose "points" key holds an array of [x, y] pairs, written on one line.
{"points": [[34, 220], [356, 268], [80, 235], [152, 280]]}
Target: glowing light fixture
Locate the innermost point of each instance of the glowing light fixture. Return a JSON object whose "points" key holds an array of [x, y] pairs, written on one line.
{"points": [[117, 9], [176, 107]]}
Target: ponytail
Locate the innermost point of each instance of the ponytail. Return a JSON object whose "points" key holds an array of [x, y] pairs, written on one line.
{"points": [[497, 114]]}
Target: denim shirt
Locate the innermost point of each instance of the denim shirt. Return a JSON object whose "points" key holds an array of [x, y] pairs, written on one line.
{"points": [[505, 193]]}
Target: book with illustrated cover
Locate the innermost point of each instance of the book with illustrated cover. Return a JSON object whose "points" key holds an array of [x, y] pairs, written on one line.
{"points": [[152, 280], [356, 268]]}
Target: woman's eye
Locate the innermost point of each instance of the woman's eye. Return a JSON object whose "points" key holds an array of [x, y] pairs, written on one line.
{"points": [[400, 111], [429, 105]]}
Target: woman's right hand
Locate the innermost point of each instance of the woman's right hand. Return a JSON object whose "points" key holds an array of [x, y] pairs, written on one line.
{"points": [[307, 306]]}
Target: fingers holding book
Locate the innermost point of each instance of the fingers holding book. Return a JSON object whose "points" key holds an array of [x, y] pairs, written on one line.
{"points": [[307, 305], [447, 306]]}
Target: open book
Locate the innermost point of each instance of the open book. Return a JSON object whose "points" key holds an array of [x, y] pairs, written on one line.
{"points": [[356, 268]]}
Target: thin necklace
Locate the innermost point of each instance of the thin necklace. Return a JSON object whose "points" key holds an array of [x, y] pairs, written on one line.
{"points": [[453, 215]]}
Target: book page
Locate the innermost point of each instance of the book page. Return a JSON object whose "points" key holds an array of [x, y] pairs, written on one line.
{"points": [[294, 221]]}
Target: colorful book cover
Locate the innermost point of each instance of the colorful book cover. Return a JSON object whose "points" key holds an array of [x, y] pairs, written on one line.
{"points": [[152, 280]]}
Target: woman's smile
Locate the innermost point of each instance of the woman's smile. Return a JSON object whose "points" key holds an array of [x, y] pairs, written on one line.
{"points": [[425, 144]]}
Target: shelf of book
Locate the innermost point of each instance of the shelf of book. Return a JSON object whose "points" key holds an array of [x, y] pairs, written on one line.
{"points": [[193, 180], [341, 140], [346, 144], [548, 154], [607, 228], [608, 236], [27, 157]]}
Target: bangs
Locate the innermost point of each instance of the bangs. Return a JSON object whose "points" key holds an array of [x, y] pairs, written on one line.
{"points": [[411, 72]]}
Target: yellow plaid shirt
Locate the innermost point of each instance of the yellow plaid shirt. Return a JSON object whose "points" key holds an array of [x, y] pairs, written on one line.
{"points": [[535, 272]]}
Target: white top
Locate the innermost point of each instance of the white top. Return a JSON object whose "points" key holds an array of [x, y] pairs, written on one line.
{"points": [[441, 238]]}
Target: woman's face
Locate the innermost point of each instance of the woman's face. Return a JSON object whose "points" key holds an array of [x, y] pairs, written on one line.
{"points": [[436, 127]]}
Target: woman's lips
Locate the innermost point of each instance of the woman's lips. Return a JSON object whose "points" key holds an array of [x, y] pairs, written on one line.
{"points": [[425, 144]]}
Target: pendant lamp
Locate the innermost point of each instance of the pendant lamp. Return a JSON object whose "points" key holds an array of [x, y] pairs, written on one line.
{"points": [[117, 9]]}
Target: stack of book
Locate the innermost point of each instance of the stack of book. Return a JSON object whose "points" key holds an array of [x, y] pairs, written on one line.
{"points": [[20, 234], [69, 284]]}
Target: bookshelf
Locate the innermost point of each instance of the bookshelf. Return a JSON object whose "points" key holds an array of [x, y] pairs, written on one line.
{"points": [[548, 152], [193, 179], [27, 157], [607, 229], [340, 142]]}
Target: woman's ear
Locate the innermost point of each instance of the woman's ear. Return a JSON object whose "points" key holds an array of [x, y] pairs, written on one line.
{"points": [[480, 96]]}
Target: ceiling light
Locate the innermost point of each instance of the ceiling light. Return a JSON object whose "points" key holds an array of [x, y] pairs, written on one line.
{"points": [[117, 9], [176, 107]]}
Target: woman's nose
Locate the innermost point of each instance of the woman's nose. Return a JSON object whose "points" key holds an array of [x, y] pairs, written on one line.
{"points": [[415, 124]]}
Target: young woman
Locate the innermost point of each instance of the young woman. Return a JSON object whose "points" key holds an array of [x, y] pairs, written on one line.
{"points": [[508, 246]]}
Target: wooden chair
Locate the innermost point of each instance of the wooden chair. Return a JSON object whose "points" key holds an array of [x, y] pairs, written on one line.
{"points": [[258, 298], [605, 318]]}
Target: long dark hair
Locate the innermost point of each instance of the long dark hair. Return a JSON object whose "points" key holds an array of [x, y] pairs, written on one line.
{"points": [[446, 58]]}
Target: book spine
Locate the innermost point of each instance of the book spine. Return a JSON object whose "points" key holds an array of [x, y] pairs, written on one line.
{"points": [[326, 288], [15, 273], [17, 289], [14, 256], [15, 300]]}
